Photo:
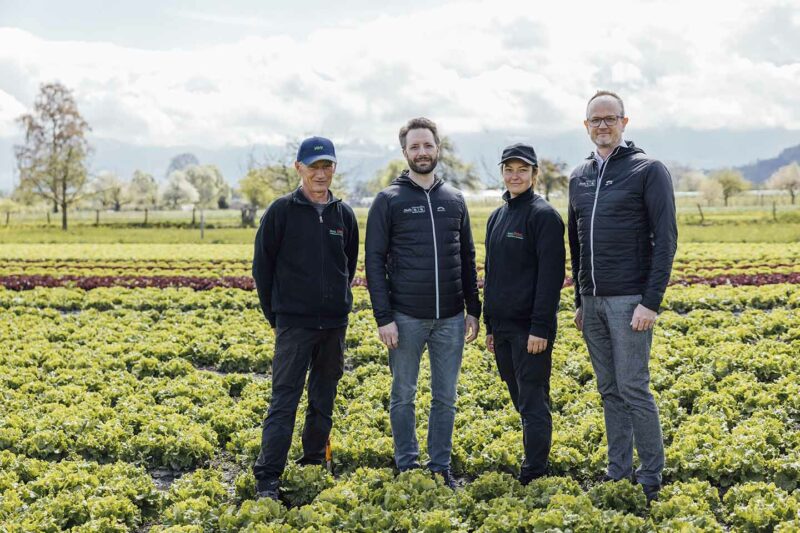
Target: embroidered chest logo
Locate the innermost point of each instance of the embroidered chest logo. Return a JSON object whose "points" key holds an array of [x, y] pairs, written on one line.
{"points": [[415, 210], [515, 235], [609, 182], [587, 183], [336, 232], [440, 209]]}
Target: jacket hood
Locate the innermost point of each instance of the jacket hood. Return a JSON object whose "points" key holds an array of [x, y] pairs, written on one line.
{"points": [[405, 179], [629, 149]]}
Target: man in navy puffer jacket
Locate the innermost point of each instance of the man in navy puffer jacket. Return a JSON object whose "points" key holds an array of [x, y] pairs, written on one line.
{"points": [[622, 236]]}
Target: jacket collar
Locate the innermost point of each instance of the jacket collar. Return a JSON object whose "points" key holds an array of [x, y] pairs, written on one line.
{"points": [[405, 179], [519, 200], [623, 150], [299, 198]]}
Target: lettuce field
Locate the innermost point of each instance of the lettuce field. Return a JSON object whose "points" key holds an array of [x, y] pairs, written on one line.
{"points": [[134, 379]]}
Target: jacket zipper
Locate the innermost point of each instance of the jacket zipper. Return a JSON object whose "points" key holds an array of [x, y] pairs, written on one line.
{"points": [[435, 252], [594, 208], [322, 268]]}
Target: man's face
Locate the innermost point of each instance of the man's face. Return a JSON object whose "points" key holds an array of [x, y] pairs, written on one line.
{"points": [[517, 175], [608, 133], [316, 177], [421, 151]]}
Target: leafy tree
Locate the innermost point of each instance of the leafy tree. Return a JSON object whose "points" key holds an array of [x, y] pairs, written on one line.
{"points": [[52, 159], [711, 190], [552, 177], [178, 190], [455, 171], [731, 181], [110, 192], [261, 185], [385, 176], [180, 162], [207, 180], [786, 178], [143, 189]]}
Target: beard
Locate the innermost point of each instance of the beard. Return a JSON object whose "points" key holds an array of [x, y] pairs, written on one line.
{"points": [[423, 166]]}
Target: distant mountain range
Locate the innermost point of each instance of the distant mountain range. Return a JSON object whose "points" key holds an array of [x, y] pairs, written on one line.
{"points": [[761, 170]]}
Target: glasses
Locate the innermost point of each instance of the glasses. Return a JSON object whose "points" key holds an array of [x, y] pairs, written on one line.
{"points": [[608, 121]]}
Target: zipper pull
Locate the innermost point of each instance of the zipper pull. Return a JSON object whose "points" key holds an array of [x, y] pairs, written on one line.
{"points": [[320, 219]]}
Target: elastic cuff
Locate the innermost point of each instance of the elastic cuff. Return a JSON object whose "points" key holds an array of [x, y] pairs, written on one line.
{"points": [[383, 321], [538, 330], [651, 303]]}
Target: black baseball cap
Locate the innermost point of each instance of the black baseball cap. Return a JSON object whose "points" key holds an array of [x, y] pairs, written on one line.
{"points": [[520, 151], [315, 149]]}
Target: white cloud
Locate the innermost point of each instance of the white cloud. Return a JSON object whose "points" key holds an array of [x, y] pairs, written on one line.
{"points": [[471, 66], [10, 109]]}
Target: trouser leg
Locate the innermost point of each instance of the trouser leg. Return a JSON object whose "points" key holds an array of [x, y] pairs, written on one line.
{"points": [[446, 348], [404, 365], [327, 367], [619, 426], [631, 351], [293, 348]]}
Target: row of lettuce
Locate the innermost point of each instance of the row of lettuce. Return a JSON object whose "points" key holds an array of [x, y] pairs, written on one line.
{"points": [[89, 497]]}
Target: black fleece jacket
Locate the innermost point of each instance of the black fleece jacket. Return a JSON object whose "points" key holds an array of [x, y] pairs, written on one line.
{"points": [[419, 253], [524, 270], [622, 229], [304, 262]]}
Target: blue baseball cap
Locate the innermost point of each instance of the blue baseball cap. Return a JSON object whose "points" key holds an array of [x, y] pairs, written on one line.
{"points": [[315, 149]]}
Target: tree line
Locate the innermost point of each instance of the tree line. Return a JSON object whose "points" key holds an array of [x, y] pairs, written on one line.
{"points": [[52, 165]]}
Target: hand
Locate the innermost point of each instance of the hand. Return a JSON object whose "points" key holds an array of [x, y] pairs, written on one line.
{"points": [[579, 319], [536, 344], [389, 335], [643, 318], [472, 327], [490, 342]]}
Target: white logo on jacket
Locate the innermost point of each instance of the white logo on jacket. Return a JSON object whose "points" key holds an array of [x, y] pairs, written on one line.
{"points": [[417, 209]]}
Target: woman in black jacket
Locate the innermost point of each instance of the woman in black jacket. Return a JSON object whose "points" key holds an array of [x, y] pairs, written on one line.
{"points": [[524, 274]]}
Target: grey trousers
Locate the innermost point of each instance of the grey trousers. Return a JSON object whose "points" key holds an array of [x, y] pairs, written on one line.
{"points": [[621, 357]]}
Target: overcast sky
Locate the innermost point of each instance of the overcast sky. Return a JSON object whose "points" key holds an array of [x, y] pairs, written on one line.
{"points": [[217, 74]]}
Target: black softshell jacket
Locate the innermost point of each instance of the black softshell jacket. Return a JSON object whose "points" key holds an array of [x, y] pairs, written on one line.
{"points": [[420, 257], [622, 229], [524, 271], [304, 262]]}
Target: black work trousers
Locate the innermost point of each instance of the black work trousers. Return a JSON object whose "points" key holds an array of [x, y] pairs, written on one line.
{"points": [[320, 352], [527, 377]]}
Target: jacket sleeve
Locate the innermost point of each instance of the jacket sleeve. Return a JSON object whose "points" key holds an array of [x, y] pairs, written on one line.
{"points": [[376, 251], [487, 319], [551, 257], [574, 246], [351, 247], [267, 244], [659, 200], [469, 272]]}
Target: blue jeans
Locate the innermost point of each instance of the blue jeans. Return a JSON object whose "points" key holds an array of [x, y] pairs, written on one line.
{"points": [[620, 357], [445, 340]]}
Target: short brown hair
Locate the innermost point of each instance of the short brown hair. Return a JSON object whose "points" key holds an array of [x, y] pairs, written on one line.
{"points": [[612, 94], [418, 124]]}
